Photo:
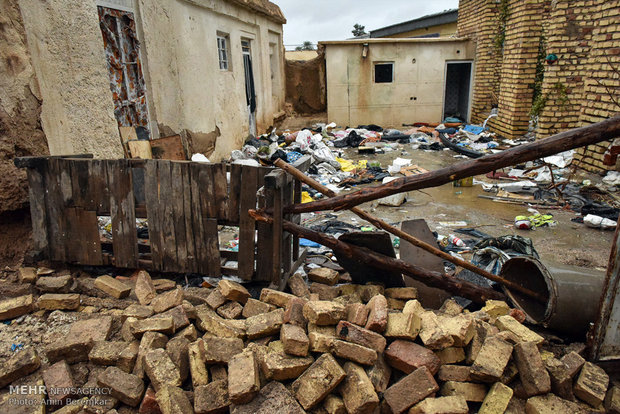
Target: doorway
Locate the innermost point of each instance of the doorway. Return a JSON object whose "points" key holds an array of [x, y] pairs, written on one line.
{"points": [[250, 92], [457, 91]]}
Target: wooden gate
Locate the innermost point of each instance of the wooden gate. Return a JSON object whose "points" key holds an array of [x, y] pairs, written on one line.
{"points": [[181, 203]]}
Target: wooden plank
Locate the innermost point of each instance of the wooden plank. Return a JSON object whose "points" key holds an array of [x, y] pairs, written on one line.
{"points": [[179, 219], [167, 219], [154, 210], [263, 243], [247, 226], [55, 212], [98, 189], [187, 216], [38, 209], [198, 216], [220, 186], [123, 214], [66, 188], [91, 243], [207, 190], [212, 245], [296, 218], [168, 148], [79, 182], [140, 149], [287, 238], [73, 242], [234, 193], [277, 234]]}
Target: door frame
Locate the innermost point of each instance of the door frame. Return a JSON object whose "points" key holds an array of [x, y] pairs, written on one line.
{"points": [[470, 95]]}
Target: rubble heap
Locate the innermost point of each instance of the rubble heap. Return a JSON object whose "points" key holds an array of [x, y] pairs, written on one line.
{"points": [[324, 348]]}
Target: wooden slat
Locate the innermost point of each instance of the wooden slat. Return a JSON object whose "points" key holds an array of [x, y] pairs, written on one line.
{"points": [[91, 243], [190, 230], [213, 247], [38, 209], [287, 238], [179, 213], [123, 214], [247, 226], [296, 218], [64, 176], [80, 182], [263, 243], [55, 212], [199, 216], [154, 210], [234, 195], [167, 217], [98, 189], [220, 186], [73, 242]]}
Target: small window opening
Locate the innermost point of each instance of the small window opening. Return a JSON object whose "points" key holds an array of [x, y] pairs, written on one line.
{"points": [[222, 50], [384, 72]]}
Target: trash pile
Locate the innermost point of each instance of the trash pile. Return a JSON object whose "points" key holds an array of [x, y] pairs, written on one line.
{"points": [[150, 345]]}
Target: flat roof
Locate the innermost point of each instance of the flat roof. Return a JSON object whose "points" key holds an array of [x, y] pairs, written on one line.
{"points": [[435, 19], [395, 40]]}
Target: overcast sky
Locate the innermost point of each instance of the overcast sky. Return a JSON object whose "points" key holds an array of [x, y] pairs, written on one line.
{"points": [[316, 20]]}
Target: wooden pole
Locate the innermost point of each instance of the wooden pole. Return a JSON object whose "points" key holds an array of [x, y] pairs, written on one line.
{"points": [[455, 286], [564, 141], [411, 239]]}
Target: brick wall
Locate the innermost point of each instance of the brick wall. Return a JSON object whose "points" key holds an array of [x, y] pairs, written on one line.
{"points": [[580, 88]]}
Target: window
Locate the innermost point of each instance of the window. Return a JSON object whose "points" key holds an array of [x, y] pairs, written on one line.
{"points": [[384, 72], [222, 51]]}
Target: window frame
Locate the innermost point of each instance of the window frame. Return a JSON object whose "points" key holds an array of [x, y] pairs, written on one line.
{"points": [[223, 51], [374, 72]]}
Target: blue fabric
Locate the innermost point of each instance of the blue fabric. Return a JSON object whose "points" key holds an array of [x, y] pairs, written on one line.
{"points": [[293, 156], [474, 129]]}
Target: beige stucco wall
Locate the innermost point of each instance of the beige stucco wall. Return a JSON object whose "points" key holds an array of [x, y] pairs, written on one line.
{"points": [[416, 95], [67, 54], [190, 94]]}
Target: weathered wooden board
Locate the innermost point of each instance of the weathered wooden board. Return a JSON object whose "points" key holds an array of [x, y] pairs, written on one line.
{"points": [[38, 209], [168, 148], [123, 214], [247, 226], [154, 212]]}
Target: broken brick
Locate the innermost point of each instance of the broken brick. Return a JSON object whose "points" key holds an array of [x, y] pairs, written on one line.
{"points": [[508, 323], [497, 399], [112, 287], [408, 356], [377, 314], [320, 342], [357, 313], [255, 307], [58, 381], [354, 352], [573, 362], [561, 381], [468, 390], [173, 400], [460, 373], [27, 275], [161, 370], [149, 403], [221, 350], [18, 366], [275, 297], [127, 357], [321, 378], [209, 321], [272, 398], [591, 385], [361, 336], [152, 324], [460, 327], [54, 284], [144, 289], [334, 405], [294, 339], [243, 378], [215, 299], [211, 398], [379, 374], [402, 326], [106, 353], [492, 360], [233, 291], [325, 292], [294, 313], [280, 367], [366, 292], [230, 310], [264, 324], [298, 286], [532, 372], [59, 301], [178, 351], [432, 334], [167, 300], [197, 367], [410, 390], [357, 391], [324, 312], [402, 293], [149, 341], [324, 275], [126, 387], [137, 311], [451, 355], [14, 307], [455, 404]]}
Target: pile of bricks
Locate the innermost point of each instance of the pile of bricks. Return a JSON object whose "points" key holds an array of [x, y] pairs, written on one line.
{"points": [[324, 348]]}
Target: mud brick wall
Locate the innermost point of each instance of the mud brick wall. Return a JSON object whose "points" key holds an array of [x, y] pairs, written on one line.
{"points": [[478, 21], [582, 87], [305, 85]]}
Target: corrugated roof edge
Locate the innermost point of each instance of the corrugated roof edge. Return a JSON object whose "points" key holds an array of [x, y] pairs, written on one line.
{"points": [[446, 16]]}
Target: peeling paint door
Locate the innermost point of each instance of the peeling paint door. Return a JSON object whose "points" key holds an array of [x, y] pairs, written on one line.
{"points": [[122, 50], [250, 92]]}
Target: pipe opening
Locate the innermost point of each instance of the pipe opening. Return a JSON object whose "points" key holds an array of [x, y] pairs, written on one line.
{"points": [[532, 275]]}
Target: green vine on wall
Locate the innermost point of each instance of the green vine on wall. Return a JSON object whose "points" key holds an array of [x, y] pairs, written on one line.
{"points": [[502, 18], [559, 92]]}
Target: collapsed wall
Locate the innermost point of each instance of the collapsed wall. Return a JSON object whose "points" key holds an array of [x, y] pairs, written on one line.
{"points": [[305, 84]]}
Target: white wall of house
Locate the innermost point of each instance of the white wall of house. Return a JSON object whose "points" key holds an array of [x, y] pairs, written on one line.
{"points": [[416, 93], [186, 90]]}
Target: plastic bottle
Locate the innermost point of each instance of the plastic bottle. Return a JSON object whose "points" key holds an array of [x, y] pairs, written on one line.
{"points": [[456, 241]]}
